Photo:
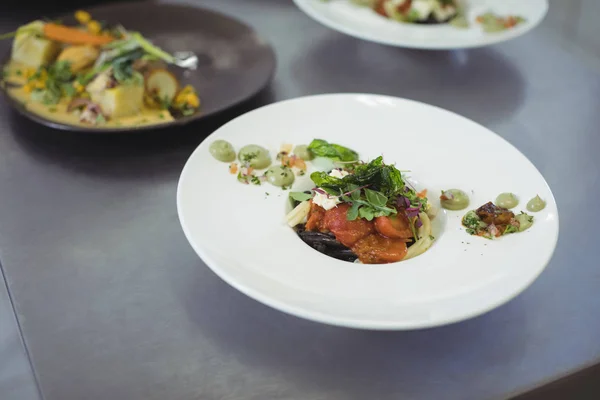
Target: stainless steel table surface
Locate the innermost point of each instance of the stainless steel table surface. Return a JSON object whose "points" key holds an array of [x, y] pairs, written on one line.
{"points": [[114, 304]]}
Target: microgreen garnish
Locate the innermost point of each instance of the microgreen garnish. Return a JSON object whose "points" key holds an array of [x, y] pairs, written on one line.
{"points": [[374, 189], [300, 196]]}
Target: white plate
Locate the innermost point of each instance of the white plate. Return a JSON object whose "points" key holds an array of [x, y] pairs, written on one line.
{"points": [[364, 23], [240, 231]]}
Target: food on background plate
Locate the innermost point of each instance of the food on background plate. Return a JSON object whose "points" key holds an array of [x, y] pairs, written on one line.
{"points": [[491, 221], [491, 22], [94, 75], [453, 12]]}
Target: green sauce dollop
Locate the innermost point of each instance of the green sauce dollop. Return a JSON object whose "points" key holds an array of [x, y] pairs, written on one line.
{"points": [[279, 175], [256, 156], [303, 152], [222, 150], [507, 200], [454, 199], [525, 221], [536, 204]]}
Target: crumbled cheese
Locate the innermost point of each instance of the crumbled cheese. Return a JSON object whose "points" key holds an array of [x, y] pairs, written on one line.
{"points": [[442, 13], [423, 8], [338, 173], [326, 201]]}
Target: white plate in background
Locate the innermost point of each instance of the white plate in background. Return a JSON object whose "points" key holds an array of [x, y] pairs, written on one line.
{"points": [[364, 23]]}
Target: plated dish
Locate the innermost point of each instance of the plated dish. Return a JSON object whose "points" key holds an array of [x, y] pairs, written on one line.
{"points": [[94, 74], [330, 239], [428, 24], [133, 66]]}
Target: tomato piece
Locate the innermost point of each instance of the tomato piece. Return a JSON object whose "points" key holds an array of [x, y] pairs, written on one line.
{"points": [[404, 8], [315, 217], [395, 226], [376, 249], [379, 9], [346, 232]]}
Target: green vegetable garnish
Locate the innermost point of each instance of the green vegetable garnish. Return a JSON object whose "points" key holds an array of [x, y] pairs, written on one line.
{"points": [[374, 189], [322, 148], [300, 196]]}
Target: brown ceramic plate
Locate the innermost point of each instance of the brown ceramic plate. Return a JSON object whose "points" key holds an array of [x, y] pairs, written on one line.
{"points": [[234, 63]]}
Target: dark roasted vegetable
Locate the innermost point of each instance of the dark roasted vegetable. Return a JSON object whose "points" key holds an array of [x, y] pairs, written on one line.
{"points": [[327, 244]]}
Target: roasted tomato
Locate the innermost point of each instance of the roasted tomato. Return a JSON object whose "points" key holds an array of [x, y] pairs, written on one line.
{"points": [[315, 217], [394, 227], [376, 249], [346, 232]]}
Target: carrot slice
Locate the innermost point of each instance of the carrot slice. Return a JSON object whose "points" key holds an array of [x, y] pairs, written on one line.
{"points": [[65, 34], [422, 194]]}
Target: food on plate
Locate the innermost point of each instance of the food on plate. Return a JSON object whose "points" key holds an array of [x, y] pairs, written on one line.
{"points": [[415, 11], [453, 12], [256, 156], [507, 200], [303, 152], [491, 22], [454, 199], [491, 221], [95, 75], [290, 160], [363, 211], [222, 150], [536, 204], [280, 175]]}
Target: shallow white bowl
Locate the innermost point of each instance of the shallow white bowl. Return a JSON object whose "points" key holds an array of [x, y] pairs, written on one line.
{"points": [[364, 23], [240, 231]]}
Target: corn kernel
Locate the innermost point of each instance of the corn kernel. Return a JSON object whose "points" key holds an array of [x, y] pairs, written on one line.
{"points": [[40, 85], [94, 27], [192, 100], [27, 88], [83, 17]]}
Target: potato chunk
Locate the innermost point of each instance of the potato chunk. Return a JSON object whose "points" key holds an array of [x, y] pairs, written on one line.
{"points": [[80, 57], [32, 50], [120, 101]]}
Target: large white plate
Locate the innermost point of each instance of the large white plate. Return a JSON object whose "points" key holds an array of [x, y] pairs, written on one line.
{"points": [[240, 232], [363, 23]]}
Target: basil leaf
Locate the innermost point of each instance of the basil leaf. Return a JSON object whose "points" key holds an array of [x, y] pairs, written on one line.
{"points": [[352, 213], [366, 213], [375, 198], [300, 196], [336, 152]]}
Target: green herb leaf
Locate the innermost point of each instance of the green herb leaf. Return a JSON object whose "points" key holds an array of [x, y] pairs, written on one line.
{"points": [[100, 119], [336, 152], [352, 213], [375, 198], [366, 213], [300, 196]]}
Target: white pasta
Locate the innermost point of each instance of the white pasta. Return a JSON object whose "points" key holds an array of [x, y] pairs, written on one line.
{"points": [[298, 215], [425, 239]]}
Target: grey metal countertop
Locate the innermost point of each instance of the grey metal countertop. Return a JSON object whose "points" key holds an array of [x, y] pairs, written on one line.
{"points": [[114, 304]]}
